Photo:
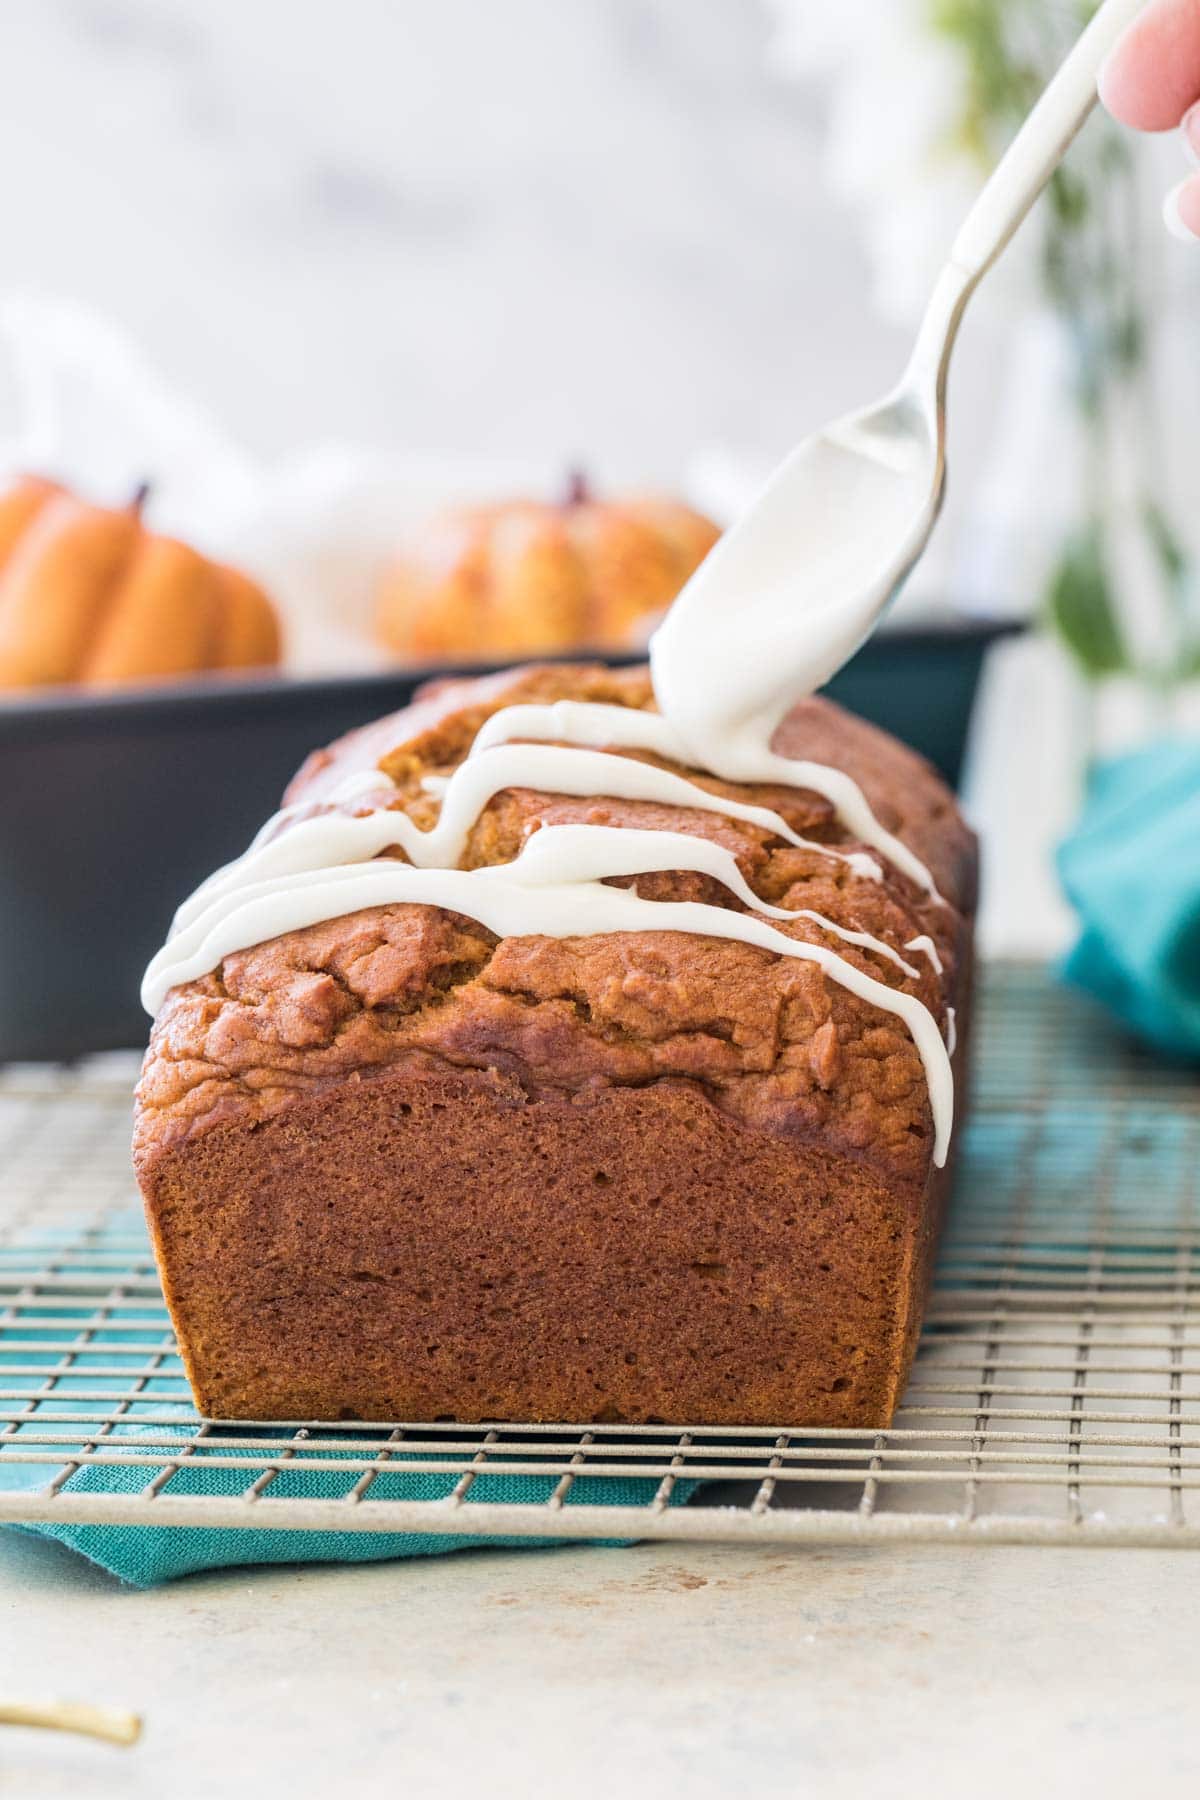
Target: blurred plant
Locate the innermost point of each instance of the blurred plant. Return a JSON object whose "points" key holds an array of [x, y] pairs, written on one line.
{"points": [[924, 97]]}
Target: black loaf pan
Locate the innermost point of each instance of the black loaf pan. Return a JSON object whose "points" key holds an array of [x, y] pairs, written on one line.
{"points": [[113, 808]]}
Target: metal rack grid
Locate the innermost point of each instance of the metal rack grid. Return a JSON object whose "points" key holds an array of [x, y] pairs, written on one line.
{"points": [[1055, 1398]]}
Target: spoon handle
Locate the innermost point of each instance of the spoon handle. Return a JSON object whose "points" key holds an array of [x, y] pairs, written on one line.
{"points": [[1040, 145]]}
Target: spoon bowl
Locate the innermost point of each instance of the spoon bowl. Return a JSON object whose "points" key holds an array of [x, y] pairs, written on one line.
{"points": [[825, 547]]}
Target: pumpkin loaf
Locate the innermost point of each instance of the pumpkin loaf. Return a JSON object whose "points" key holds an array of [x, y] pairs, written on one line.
{"points": [[396, 1168]]}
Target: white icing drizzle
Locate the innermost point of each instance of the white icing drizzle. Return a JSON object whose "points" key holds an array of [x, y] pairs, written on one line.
{"points": [[360, 784], [928, 948], [558, 853], [630, 728], [557, 887], [951, 1031], [329, 838]]}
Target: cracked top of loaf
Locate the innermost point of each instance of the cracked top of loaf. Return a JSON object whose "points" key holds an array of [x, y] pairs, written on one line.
{"points": [[773, 1041]]}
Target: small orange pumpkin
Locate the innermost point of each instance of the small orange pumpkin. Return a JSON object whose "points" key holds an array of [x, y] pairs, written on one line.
{"points": [[89, 595], [526, 577]]}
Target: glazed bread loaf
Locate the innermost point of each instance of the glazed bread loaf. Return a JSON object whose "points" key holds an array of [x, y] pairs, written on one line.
{"points": [[398, 1167]]}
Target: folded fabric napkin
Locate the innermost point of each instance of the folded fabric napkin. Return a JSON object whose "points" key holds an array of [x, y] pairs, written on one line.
{"points": [[147, 1555], [156, 1406], [1131, 869]]}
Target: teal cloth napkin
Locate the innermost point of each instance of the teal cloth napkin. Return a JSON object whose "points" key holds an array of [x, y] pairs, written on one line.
{"points": [[1131, 869], [145, 1555]]}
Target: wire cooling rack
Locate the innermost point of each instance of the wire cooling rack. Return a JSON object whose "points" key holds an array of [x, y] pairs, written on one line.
{"points": [[1056, 1394]]}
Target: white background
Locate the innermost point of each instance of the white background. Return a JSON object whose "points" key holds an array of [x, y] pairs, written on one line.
{"points": [[593, 228], [532, 230]]}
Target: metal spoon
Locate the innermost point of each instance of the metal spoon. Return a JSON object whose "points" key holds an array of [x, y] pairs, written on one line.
{"points": [[805, 574]]}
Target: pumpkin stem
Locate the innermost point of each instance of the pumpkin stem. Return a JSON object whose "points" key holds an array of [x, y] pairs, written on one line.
{"points": [[579, 491], [141, 494]]}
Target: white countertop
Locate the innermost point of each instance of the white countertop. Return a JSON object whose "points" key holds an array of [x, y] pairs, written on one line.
{"points": [[587, 1672]]}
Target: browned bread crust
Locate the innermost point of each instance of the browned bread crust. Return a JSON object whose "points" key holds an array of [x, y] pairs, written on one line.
{"points": [[397, 1168]]}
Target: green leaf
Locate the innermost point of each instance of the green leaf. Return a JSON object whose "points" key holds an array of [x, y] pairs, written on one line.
{"points": [[1168, 548], [1069, 198], [1179, 570], [1081, 609], [1001, 87], [1127, 340]]}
